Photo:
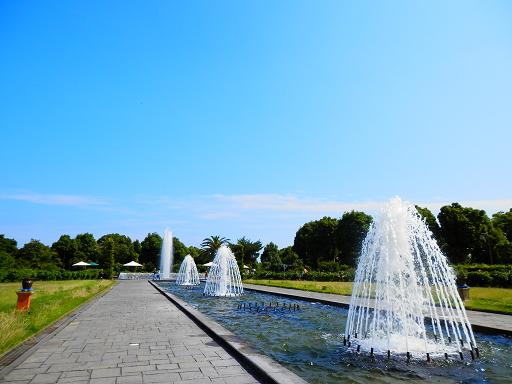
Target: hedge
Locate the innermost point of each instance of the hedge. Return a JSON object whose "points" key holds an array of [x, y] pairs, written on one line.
{"points": [[478, 275], [346, 275], [483, 275], [12, 275]]}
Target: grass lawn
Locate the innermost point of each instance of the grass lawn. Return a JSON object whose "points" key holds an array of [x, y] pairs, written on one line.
{"points": [[485, 299], [341, 288], [51, 300], [490, 299]]}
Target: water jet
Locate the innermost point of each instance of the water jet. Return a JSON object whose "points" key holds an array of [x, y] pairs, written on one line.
{"points": [[224, 278], [405, 299]]}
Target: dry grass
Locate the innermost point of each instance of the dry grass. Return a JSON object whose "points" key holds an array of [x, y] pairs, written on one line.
{"points": [[51, 300]]}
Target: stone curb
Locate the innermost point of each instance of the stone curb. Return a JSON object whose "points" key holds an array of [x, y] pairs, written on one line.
{"points": [[17, 355], [262, 367]]}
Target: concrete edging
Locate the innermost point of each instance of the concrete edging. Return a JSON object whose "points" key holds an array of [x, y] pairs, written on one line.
{"points": [[262, 367]]}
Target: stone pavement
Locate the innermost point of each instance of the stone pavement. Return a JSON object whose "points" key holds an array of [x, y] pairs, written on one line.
{"points": [[133, 334], [484, 321]]}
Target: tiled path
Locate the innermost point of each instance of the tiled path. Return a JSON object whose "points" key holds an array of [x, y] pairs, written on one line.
{"points": [[500, 323], [131, 335]]}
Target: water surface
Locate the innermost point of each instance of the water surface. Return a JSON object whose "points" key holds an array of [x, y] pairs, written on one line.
{"points": [[309, 342]]}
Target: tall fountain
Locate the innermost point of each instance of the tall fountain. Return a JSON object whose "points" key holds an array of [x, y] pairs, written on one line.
{"points": [[224, 277], [404, 298], [187, 274], [166, 256]]}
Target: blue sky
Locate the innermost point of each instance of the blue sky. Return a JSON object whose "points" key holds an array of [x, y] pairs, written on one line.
{"points": [[247, 118]]}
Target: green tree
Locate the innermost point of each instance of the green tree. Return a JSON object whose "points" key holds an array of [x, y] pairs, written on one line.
{"points": [[66, 248], [86, 248], [179, 250], [197, 255], [350, 233], [123, 247], [317, 241], [269, 252], [107, 251], [503, 221], [210, 245], [246, 252], [8, 245], [150, 249], [468, 234], [8, 250], [136, 248], [290, 260], [36, 255], [431, 221]]}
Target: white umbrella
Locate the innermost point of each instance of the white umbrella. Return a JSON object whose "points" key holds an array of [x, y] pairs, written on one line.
{"points": [[132, 264], [208, 264], [81, 264]]}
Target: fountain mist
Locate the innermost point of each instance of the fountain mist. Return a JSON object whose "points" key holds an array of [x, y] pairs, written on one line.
{"points": [[224, 277], [187, 274], [166, 255], [404, 298]]}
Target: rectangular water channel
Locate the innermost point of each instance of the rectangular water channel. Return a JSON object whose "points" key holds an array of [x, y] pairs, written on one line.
{"points": [[309, 342]]}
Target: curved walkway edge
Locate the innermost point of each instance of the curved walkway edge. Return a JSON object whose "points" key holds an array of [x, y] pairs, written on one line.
{"points": [[486, 322], [261, 366]]}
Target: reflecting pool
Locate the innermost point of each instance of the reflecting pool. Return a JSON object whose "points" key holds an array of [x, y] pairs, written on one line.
{"points": [[309, 342]]}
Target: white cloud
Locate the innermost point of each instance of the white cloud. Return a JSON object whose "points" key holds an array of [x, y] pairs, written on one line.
{"points": [[54, 199], [291, 203], [296, 204]]}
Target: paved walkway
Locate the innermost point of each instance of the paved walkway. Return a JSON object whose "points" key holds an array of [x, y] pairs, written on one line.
{"points": [[131, 335], [480, 320]]}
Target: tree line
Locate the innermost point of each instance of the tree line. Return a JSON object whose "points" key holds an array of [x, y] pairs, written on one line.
{"points": [[466, 235]]}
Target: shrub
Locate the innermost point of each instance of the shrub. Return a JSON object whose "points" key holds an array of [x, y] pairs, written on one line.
{"points": [[13, 275], [345, 275], [500, 279], [485, 275], [329, 266], [479, 279]]}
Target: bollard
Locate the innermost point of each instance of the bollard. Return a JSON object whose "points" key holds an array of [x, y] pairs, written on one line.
{"points": [[358, 348], [23, 303], [428, 357], [389, 353], [463, 292]]}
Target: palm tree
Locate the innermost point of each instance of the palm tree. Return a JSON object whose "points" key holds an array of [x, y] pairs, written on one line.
{"points": [[210, 245]]}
